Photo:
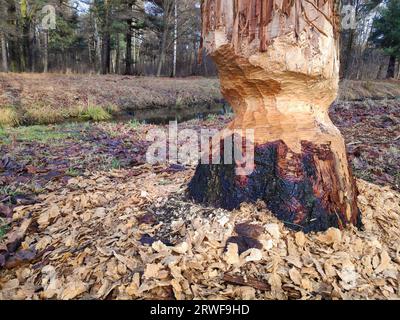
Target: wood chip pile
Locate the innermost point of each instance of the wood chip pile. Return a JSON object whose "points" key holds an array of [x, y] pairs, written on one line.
{"points": [[132, 235]]}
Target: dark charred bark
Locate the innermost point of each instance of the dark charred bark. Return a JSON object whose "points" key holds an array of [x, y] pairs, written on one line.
{"points": [[302, 190]]}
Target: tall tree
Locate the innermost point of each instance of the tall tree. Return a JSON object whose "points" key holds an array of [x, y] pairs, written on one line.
{"points": [[128, 39], [103, 10], [167, 8], [106, 41], [4, 59], [175, 38], [386, 33], [133, 13], [355, 33], [350, 35], [280, 86], [3, 32], [65, 40], [46, 51]]}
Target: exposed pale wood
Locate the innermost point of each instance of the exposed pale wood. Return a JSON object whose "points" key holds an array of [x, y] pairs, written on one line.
{"points": [[279, 69]]}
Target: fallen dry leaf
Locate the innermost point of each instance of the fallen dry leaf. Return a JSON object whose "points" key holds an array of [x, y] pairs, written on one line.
{"points": [[73, 290], [295, 276], [231, 255]]}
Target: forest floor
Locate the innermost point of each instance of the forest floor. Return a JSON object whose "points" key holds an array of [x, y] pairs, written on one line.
{"points": [[83, 216]]}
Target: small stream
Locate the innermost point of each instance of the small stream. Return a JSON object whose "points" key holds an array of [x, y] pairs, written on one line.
{"points": [[165, 114]]}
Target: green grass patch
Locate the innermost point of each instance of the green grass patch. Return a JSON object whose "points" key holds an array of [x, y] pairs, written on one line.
{"points": [[3, 134], [3, 231], [10, 191], [72, 172], [3, 228], [115, 164], [134, 123], [38, 133], [94, 113]]}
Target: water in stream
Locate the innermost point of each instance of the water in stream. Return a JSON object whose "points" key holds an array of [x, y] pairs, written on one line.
{"points": [[178, 113]]}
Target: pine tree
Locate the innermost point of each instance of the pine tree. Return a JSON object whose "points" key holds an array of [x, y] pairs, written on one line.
{"points": [[386, 33]]}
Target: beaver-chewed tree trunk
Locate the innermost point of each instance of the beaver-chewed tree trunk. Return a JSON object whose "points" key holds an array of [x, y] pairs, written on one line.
{"points": [[278, 65]]}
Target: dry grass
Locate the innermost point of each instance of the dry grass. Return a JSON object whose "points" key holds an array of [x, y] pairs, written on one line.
{"points": [[359, 90], [8, 116], [94, 113], [42, 114], [53, 98]]}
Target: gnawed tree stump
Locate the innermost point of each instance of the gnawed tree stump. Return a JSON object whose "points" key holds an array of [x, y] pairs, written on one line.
{"points": [[278, 65]]}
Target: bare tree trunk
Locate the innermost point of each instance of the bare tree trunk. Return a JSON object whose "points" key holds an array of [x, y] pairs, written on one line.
{"points": [[391, 67], [280, 87], [46, 52], [348, 55], [4, 61], [106, 43], [97, 46], [136, 51], [398, 70], [106, 54], [27, 48], [89, 52], [128, 39], [162, 53], [117, 55], [134, 59], [3, 40], [166, 19], [175, 37], [378, 75]]}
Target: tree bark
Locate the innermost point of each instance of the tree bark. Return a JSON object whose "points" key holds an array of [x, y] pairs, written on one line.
{"points": [[106, 43], [175, 38], [27, 48], [167, 6], [128, 61], [391, 67], [279, 69], [97, 46], [162, 52], [46, 52], [117, 54], [3, 40], [398, 70], [106, 54], [4, 61]]}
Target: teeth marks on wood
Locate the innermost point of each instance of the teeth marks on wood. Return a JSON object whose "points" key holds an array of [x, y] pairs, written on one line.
{"points": [[253, 18]]}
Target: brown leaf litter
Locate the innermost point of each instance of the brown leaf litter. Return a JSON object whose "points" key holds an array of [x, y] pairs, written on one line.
{"points": [[109, 235]]}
